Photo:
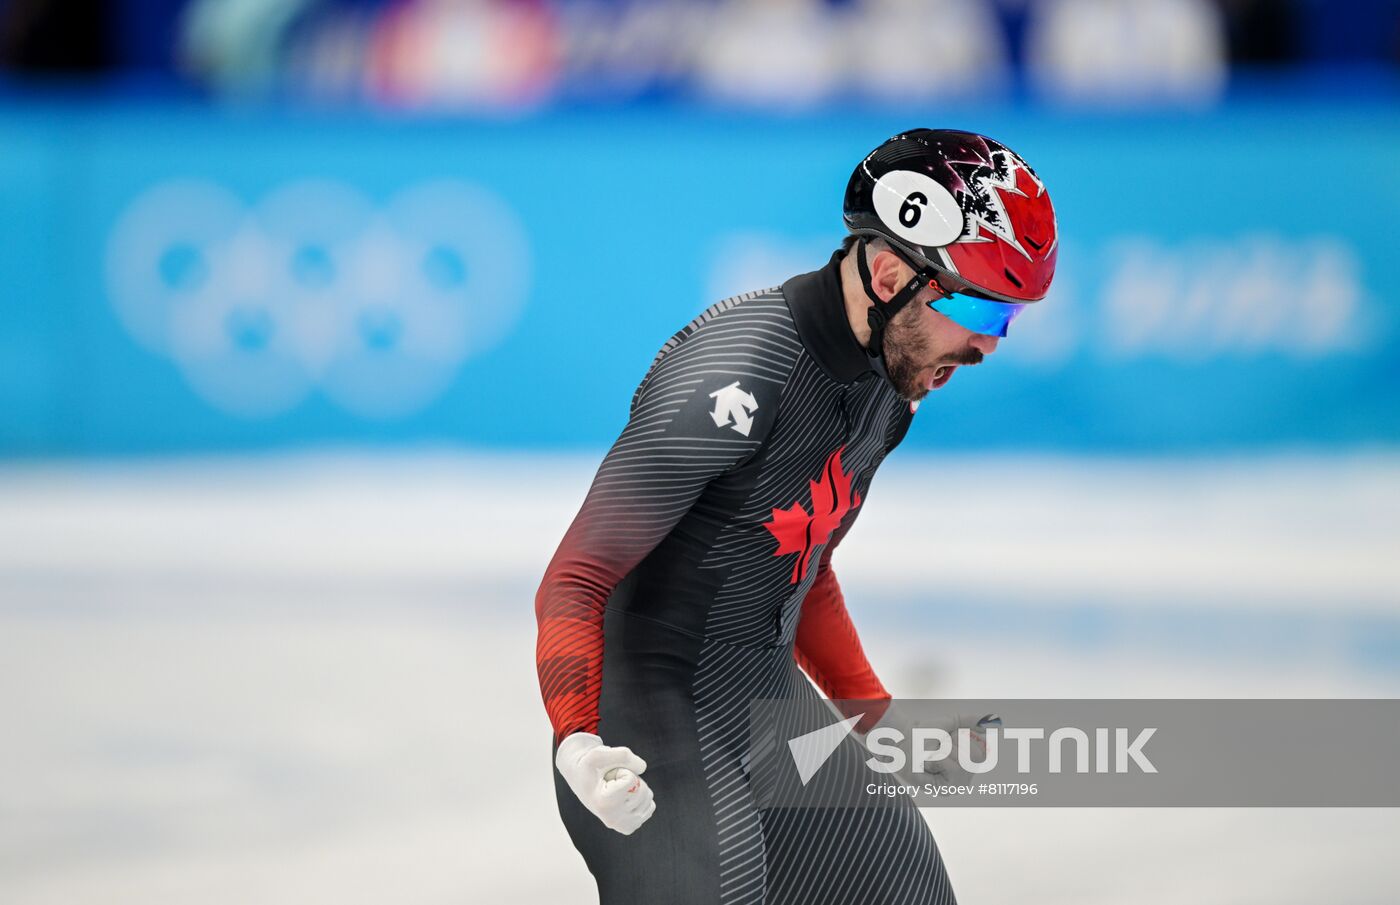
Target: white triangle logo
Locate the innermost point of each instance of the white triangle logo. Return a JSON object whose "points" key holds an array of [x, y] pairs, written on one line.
{"points": [[810, 751]]}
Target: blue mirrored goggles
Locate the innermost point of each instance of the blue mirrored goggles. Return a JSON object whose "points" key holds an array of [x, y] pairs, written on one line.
{"points": [[978, 315]]}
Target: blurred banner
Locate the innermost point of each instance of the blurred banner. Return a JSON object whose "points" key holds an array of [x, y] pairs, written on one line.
{"points": [[180, 279]]}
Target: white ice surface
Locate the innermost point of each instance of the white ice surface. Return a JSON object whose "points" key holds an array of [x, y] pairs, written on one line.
{"points": [[311, 679]]}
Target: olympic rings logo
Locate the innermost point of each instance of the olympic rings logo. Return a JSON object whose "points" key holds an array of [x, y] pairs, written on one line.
{"points": [[314, 288]]}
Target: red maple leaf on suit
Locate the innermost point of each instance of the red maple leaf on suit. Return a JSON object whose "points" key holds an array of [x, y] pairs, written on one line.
{"points": [[798, 531]]}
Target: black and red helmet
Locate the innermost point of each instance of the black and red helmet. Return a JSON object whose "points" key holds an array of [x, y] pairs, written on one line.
{"points": [[962, 205]]}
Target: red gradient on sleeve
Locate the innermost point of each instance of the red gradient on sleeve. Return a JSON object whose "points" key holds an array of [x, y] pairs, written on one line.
{"points": [[828, 649], [569, 648]]}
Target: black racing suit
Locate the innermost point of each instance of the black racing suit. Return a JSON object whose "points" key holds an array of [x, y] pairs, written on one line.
{"points": [[697, 577]]}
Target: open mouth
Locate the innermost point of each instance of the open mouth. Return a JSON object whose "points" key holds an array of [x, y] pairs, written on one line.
{"points": [[941, 375]]}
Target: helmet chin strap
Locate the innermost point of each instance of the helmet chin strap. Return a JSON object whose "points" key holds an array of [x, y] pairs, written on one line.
{"points": [[882, 312]]}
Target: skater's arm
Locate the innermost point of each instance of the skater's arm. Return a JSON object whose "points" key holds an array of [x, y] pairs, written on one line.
{"points": [[829, 650], [672, 447]]}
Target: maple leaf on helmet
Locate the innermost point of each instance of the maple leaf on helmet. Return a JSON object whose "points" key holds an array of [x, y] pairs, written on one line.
{"points": [[798, 531], [963, 206]]}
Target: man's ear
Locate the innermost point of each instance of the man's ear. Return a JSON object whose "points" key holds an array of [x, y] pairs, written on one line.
{"points": [[887, 274]]}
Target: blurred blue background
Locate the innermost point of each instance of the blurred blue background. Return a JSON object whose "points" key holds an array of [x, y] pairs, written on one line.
{"points": [[316, 317], [236, 224], [186, 279]]}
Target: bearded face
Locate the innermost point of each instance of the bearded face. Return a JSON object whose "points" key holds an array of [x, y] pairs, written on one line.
{"points": [[923, 349]]}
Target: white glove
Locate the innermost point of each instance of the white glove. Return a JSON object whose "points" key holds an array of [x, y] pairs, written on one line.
{"points": [[948, 770], [607, 780]]}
